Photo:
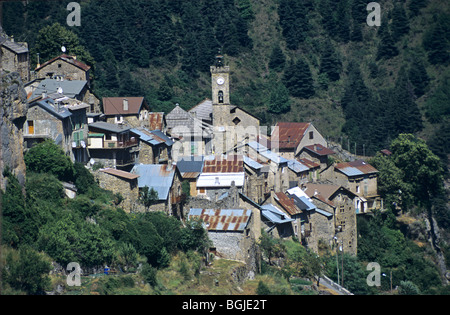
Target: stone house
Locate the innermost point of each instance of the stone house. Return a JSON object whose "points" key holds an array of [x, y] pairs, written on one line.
{"points": [[316, 153], [121, 182], [64, 66], [256, 175], [233, 223], [131, 111], [276, 222], [190, 168], [218, 175], [302, 171], [166, 180], [360, 178], [154, 146], [193, 135], [340, 202], [15, 57], [61, 119], [289, 138], [111, 145], [277, 166]]}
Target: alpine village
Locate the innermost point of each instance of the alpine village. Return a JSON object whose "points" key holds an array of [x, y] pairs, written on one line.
{"points": [[224, 147]]}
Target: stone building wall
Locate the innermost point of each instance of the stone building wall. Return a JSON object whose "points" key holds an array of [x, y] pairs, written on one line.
{"points": [[63, 68], [127, 188]]}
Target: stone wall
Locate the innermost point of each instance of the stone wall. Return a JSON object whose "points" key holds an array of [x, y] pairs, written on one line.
{"points": [[13, 111], [127, 188]]}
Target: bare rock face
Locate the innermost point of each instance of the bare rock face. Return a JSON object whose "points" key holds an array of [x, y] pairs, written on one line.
{"points": [[13, 111]]}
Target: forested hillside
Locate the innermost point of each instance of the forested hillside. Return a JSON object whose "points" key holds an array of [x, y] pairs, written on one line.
{"points": [[314, 60]]}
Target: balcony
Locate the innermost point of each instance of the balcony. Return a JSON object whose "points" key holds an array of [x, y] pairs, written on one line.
{"points": [[99, 143]]}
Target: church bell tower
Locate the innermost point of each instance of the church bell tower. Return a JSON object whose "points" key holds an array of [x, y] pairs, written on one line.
{"points": [[220, 82]]}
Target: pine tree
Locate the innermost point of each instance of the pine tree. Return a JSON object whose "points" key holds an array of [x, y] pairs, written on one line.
{"points": [[436, 42], [400, 23], [293, 21], [298, 79], [277, 59], [419, 78], [386, 47], [279, 99], [330, 63]]}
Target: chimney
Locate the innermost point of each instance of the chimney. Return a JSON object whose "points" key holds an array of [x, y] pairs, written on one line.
{"points": [[44, 94], [316, 192], [125, 104]]}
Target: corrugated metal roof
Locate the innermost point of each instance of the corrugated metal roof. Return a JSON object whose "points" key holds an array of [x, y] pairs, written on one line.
{"points": [[156, 176], [351, 171], [275, 215], [222, 164], [286, 203], [212, 180], [222, 219], [156, 120], [145, 136], [252, 163]]}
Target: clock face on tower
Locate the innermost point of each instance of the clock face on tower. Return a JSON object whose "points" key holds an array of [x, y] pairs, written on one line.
{"points": [[220, 80]]}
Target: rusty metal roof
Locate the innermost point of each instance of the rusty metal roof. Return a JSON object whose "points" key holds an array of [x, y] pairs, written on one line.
{"points": [[222, 219], [156, 120], [287, 203], [220, 164], [289, 134]]}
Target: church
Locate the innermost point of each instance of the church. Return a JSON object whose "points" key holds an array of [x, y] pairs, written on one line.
{"points": [[213, 127]]}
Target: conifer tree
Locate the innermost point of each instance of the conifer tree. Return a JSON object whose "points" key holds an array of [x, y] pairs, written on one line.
{"points": [[330, 63], [436, 42], [277, 59], [400, 23], [386, 47], [418, 77], [298, 79], [293, 21]]}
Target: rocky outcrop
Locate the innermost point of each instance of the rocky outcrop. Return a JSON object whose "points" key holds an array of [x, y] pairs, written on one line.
{"points": [[13, 111]]}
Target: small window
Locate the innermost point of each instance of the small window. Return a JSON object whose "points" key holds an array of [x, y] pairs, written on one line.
{"points": [[236, 121], [31, 127], [59, 65], [311, 135], [201, 190]]}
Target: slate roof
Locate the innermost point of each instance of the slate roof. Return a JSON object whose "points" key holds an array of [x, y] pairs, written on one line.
{"points": [[114, 105], [15, 47], [50, 106], [287, 135], [356, 168], [70, 88], [222, 219], [157, 176], [275, 215], [181, 123], [203, 110]]}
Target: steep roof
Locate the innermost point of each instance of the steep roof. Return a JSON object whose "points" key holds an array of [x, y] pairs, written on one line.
{"points": [[286, 203], [157, 176], [69, 59], [203, 110], [287, 135], [274, 215], [114, 105]]}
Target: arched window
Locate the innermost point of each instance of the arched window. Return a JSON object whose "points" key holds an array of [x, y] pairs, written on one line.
{"points": [[220, 96]]}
